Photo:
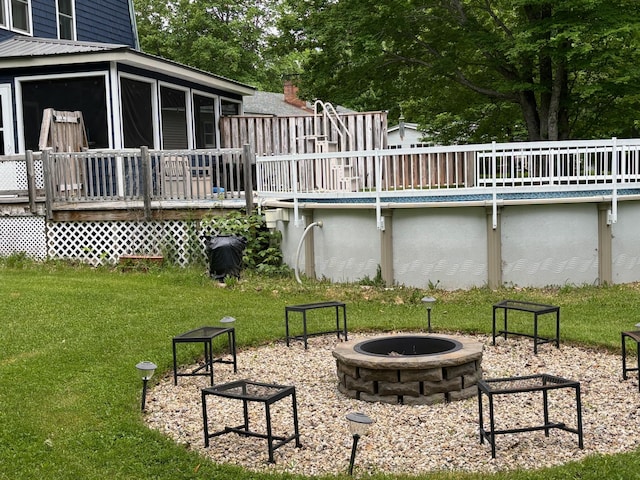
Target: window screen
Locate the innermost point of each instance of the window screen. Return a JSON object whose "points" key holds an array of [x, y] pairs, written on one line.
{"points": [[137, 113], [87, 95], [205, 121], [174, 118], [230, 108]]}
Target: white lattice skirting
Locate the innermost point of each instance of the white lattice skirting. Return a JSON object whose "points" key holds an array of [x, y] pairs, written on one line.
{"points": [[99, 243], [23, 235]]}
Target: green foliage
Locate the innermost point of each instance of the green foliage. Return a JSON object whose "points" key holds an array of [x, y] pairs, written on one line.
{"points": [[466, 71], [17, 260], [262, 252], [376, 281], [169, 250], [473, 71], [228, 38], [193, 245], [140, 264]]}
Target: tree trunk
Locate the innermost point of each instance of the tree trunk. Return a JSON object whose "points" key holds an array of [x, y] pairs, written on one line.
{"points": [[527, 101]]}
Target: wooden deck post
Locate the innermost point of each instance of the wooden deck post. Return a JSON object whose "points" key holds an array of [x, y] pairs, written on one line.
{"points": [[147, 184], [31, 181], [48, 182], [248, 159]]}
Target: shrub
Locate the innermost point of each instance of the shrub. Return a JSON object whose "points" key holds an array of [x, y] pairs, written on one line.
{"points": [[262, 253]]}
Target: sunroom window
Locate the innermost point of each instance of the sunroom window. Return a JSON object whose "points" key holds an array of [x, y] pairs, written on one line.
{"points": [[84, 94], [230, 108], [137, 113], [173, 106], [205, 121]]}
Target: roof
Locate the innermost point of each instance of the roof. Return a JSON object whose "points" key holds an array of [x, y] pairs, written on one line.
{"points": [[407, 126], [20, 51], [33, 46], [273, 104], [269, 103]]}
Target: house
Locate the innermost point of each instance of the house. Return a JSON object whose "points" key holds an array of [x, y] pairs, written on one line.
{"points": [[276, 104], [406, 137], [81, 55], [285, 104]]}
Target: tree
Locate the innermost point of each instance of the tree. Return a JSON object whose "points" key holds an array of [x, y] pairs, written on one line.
{"points": [[228, 38], [477, 69]]}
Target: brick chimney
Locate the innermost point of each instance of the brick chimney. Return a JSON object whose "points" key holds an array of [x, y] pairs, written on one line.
{"points": [[291, 95]]}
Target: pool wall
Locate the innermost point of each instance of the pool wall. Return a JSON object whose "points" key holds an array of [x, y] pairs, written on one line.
{"points": [[456, 247], [626, 244], [550, 244]]}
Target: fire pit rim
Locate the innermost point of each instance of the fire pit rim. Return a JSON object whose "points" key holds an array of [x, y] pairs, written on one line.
{"points": [[454, 344], [471, 350]]}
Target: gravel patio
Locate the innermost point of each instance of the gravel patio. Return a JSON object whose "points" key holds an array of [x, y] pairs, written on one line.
{"points": [[405, 439]]}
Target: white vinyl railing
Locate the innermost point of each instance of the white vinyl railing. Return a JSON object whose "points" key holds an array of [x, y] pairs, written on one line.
{"points": [[493, 170]]}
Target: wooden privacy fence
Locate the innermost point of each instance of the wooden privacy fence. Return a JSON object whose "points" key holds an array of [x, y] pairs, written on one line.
{"points": [[427, 170], [303, 134]]}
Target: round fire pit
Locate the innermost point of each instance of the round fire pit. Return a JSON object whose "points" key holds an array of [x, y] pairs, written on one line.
{"points": [[409, 369]]}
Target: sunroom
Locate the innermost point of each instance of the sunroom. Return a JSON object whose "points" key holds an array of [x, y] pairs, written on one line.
{"points": [[127, 98]]}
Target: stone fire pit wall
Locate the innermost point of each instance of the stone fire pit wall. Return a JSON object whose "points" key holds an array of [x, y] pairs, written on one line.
{"points": [[410, 379]]}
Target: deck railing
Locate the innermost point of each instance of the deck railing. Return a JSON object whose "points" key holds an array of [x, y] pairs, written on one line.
{"points": [[21, 179], [138, 173], [490, 170], [493, 170], [125, 175]]}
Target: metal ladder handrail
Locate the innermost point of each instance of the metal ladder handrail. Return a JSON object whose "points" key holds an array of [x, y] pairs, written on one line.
{"points": [[330, 114]]}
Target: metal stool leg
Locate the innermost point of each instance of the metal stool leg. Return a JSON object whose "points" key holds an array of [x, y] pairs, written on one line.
{"points": [[296, 431], [269, 433], [624, 357], [638, 356], [579, 416]]}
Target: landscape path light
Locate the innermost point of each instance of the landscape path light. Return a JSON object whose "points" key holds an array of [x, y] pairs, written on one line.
{"points": [[428, 302], [146, 371], [359, 425]]}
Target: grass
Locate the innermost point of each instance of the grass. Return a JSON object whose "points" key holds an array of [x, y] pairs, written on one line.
{"points": [[71, 336]]}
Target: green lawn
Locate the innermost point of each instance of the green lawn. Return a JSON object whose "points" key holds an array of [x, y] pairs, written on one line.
{"points": [[70, 393]]}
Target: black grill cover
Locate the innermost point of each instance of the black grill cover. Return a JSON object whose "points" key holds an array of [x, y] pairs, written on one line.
{"points": [[224, 253]]}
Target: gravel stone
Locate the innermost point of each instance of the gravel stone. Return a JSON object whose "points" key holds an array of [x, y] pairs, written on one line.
{"points": [[405, 439]]}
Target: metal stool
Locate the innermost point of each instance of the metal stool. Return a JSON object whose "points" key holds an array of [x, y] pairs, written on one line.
{"points": [[249, 391], [634, 335]]}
